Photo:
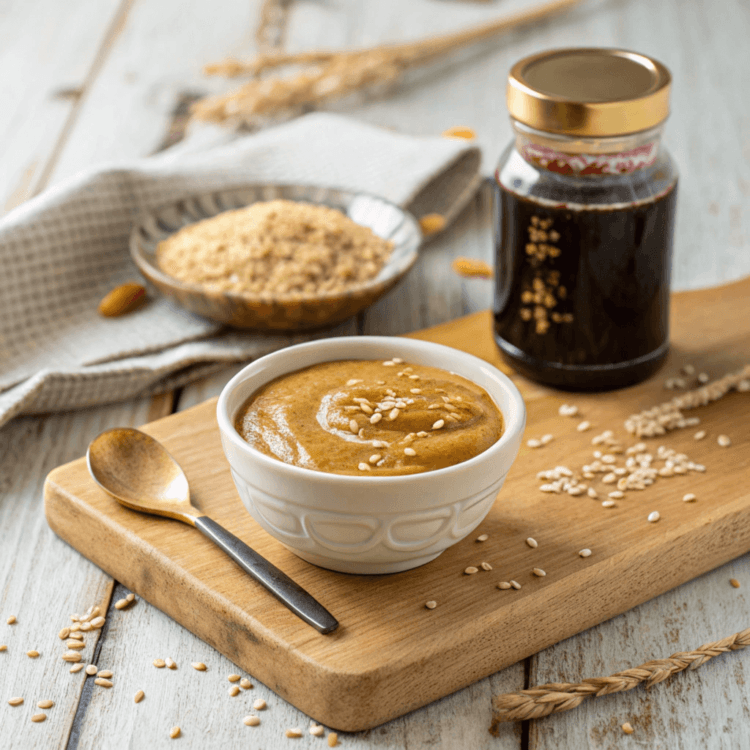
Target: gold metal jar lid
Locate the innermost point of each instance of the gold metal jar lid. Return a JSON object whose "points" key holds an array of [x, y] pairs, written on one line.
{"points": [[589, 92]]}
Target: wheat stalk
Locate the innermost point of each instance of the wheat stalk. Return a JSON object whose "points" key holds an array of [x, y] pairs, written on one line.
{"points": [[544, 700], [327, 75], [272, 24]]}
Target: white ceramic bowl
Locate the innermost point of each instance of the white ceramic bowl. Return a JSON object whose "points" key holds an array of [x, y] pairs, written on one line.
{"points": [[369, 524]]}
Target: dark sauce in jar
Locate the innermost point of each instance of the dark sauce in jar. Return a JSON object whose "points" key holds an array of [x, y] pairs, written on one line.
{"points": [[582, 296]]}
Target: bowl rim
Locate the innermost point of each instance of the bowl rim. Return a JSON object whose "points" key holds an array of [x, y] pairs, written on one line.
{"points": [[514, 423], [153, 272]]}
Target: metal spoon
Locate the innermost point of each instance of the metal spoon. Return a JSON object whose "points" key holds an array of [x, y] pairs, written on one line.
{"points": [[138, 471]]}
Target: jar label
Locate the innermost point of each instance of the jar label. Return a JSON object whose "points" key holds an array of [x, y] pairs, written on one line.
{"points": [[623, 162]]}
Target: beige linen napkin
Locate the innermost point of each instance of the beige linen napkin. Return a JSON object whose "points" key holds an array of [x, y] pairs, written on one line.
{"points": [[62, 251]]}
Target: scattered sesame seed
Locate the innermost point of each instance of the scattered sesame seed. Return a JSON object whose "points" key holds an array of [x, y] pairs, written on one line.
{"points": [[547, 439], [375, 458], [171, 663], [198, 666], [471, 570], [15, 701], [534, 443], [689, 497], [724, 441], [353, 426], [410, 452], [538, 572], [33, 654], [354, 381], [393, 414], [516, 585], [233, 677], [375, 418], [413, 377], [699, 435], [76, 668], [366, 409], [627, 728], [567, 410], [503, 585], [11, 620], [397, 360], [617, 494], [440, 423], [483, 537], [389, 364], [3, 647], [583, 426], [159, 663], [703, 377], [431, 604], [36, 718], [245, 684], [653, 517], [485, 566], [92, 669], [532, 542], [251, 721], [234, 691], [584, 552], [139, 696], [591, 492], [259, 705], [609, 504], [294, 732], [423, 434], [332, 739], [175, 732], [735, 583], [102, 682], [415, 390], [121, 604], [316, 730], [105, 673]]}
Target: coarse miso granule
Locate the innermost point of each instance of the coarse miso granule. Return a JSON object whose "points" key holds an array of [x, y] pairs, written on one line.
{"points": [[276, 248]]}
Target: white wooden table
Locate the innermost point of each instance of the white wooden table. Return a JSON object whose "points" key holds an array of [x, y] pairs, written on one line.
{"points": [[93, 80]]}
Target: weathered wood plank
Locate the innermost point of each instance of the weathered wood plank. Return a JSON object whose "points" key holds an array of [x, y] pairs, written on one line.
{"points": [[47, 50], [42, 580], [705, 708]]}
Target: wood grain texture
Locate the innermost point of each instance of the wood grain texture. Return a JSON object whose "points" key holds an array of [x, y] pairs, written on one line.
{"points": [[347, 679], [47, 51], [43, 580]]}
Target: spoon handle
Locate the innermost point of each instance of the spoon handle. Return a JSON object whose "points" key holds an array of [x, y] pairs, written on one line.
{"points": [[279, 584]]}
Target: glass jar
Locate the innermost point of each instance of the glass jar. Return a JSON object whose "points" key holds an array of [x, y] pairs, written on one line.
{"points": [[585, 205]]}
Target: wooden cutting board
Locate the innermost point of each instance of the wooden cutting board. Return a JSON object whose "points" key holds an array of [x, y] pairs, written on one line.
{"points": [[391, 655]]}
